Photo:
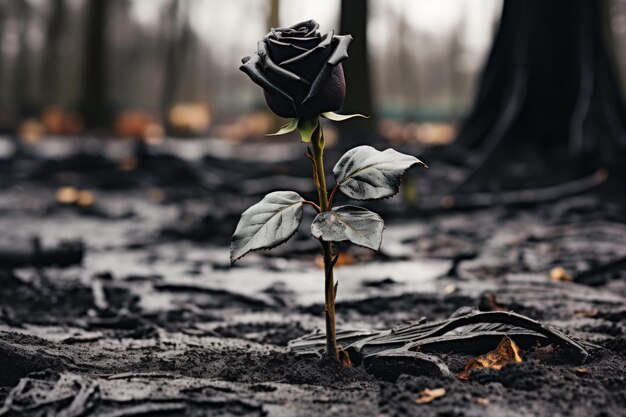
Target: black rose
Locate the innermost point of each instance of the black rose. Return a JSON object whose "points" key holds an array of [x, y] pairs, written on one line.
{"points": [[300, 70]]}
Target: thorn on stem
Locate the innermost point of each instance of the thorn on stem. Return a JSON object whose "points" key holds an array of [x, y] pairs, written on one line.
{"points": [[309, 154]]}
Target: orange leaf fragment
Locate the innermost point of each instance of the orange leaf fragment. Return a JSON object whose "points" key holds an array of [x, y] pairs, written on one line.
{"points": [[428, 395], [560, 274], [67, 195], [507, 351], [86, 198]]}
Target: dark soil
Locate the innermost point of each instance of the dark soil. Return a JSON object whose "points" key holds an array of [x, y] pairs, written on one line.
{"points": [[153, 321]]}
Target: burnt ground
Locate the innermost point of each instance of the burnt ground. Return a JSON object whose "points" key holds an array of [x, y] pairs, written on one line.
{"points": [[154, 321]]}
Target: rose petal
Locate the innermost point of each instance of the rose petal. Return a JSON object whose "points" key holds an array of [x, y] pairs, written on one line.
{"points": [[306, 43], [303, 29], [309, 64], [325, 43], [341, 49], [250, 66], [281, 51], [263, 53], [296, 90], [281, 106], [327, 91], [311, 25]]}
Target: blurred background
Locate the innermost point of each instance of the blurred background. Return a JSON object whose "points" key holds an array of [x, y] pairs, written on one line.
{"points": [[499, 95], [130, 144], [172, 64], [144, 67]]}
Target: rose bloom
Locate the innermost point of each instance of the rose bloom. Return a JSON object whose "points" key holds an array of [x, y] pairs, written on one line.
{"points": [[300, 70]]}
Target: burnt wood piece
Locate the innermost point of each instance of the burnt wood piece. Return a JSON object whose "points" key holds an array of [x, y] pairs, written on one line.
{"points": [[409, 348], [64, 254]]}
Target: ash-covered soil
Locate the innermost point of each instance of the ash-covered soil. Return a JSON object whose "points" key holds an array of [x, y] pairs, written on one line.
{"points": [[153, 321]]}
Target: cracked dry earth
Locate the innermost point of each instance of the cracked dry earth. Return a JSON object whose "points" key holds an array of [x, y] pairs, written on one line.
{"points": [[154, 322]]}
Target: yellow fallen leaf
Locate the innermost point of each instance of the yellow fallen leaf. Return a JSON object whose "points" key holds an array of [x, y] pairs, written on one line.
{"points": [[507, 351], [560, 274], [86, 198], [428, 395], [67, 195]]}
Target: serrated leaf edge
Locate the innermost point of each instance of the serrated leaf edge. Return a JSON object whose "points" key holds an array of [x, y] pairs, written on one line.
{"points": [[398, 179], [282, 242]]}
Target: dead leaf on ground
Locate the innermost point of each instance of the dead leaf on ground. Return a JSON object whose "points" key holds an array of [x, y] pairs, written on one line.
{"points": [[581, 370], [560, 274], [587, 313], [71, 195], [428, 395], [67, 195], [507, 351], [86, 198], [482, 401]]}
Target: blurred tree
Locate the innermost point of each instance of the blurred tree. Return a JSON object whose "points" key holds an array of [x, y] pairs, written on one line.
{"points": [[550, 83], [357, 70], [186, 62], [175, 32], [273, 20], [94, 104], [52, 52], [24, 105]]}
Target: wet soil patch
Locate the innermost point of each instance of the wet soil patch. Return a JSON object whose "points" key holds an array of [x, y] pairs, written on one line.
{"points": [[152, 321]]}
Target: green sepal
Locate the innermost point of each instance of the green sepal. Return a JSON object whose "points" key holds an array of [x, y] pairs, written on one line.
{"points": [[287, 128], [306, 127], [341, 117]]}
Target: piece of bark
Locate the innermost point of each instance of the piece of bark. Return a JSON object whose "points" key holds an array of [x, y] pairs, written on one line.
{"points": [[63, 255]]}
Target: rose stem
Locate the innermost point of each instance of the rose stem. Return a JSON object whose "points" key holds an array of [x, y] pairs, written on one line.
{"points": [[317, 142]]}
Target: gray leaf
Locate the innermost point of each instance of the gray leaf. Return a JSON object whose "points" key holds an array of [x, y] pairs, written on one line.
{"points": [[267, 224], [356, 224], [363, 173]]}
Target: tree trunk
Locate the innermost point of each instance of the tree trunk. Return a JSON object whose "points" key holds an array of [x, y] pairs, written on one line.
{"points": [[23, 104], [357, 70], [51, 77], [549, 84], [94, 74]]}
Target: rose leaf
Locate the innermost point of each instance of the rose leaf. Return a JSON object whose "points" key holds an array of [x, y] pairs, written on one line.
{"points": [[287, 128], [267, 224], [364, 173], [306, 127], [349, 223], [341, 117]]}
